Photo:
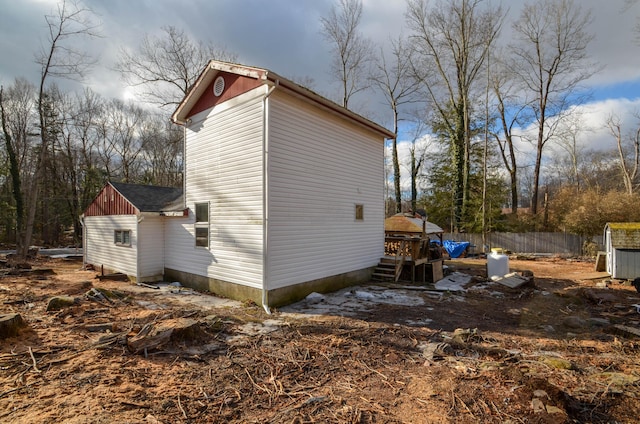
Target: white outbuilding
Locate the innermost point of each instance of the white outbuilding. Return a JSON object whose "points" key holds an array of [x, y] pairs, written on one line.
{"points": [[622, 245], [124, 229]]}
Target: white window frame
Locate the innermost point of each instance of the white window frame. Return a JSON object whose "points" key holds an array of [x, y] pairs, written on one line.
{"points": [[122, 238], [202, 224]]}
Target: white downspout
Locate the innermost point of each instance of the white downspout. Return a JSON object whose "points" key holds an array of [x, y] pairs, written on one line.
{"points": [[84, 243], [265, 196], [184, 161], [138, 221]]}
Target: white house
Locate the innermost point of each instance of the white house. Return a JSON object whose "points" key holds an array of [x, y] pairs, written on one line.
{"points": [[284, 190], [622, 245]]}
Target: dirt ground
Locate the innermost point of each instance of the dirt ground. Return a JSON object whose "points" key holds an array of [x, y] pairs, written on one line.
{"points": [[560, 349]]}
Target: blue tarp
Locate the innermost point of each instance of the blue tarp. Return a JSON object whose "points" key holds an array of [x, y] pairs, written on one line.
{"points": [[455, 248]]}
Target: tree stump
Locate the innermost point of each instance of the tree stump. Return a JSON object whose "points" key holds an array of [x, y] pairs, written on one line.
{"points": [[10, 325], [57, 303], [152, 336]]}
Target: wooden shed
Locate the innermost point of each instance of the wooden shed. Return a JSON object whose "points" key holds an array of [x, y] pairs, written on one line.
{"points": [[408, 243], [622, 245], [407, 224]]}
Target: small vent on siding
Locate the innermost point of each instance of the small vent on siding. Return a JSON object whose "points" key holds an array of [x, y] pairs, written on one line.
{"points": [[218, 86]]}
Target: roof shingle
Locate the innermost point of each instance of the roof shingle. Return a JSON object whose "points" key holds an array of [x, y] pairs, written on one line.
{"points": [[148, 198]]}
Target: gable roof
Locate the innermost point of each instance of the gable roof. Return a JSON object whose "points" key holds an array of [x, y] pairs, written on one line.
{"points": [[265, 76], [133, 199], [401, 223], [148, 198], [624, 235]]}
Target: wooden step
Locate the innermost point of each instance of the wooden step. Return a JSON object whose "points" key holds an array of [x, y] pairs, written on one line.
{"points": [[382, 277], [385, 271], [387, 260], [389, 267]]}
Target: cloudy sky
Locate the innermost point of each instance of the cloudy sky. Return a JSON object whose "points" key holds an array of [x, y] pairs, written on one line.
{"points": [[284, 36]]}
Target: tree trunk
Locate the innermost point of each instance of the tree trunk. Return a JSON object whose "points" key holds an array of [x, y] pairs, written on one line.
{"points": [[14, 170], [537, 168], [514, 191], [457, 146], [414, 186], [396, 164]]}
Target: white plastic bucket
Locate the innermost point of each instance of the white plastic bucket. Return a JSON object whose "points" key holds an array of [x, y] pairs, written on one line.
{"points": [[497, 265]]}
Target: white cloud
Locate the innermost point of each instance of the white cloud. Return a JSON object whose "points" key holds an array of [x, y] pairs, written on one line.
{"points": [[426, 144], [592, 132]]}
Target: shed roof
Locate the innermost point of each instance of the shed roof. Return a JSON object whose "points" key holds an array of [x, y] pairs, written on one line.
{"points": [[214, 67], [624, 235], [401, 223], [148, 198]]}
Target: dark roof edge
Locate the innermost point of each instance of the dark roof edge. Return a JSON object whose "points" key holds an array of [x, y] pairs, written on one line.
{"points": [[214, 66]]}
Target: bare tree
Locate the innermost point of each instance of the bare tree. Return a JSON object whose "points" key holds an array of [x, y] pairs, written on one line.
{"points": [[568, 138], [75, 150], [19, 116], [629, 162], [509, 112], [162, 151], [165, 67], [14, 167], [89, 107], [420, 144], [451, 42], [550, 59], [353, 53], [393, 79], [122, 145], [58, 58]]}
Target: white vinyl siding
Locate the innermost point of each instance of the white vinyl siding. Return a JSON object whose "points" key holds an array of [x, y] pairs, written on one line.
{"points": [[223, 153], [320, 167], [100, 247], [150, 248]]}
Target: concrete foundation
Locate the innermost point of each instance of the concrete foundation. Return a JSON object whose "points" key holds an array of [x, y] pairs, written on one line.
{"points": [[275, 297]]}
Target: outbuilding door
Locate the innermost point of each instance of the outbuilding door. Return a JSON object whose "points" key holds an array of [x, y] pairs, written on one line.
{"points": [[626, 264], [609, 249]]}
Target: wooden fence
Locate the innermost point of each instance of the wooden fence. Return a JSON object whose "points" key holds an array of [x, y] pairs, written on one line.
{"points": [[538, 243]]}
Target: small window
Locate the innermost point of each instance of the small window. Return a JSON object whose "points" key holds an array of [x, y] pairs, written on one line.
{"points": [[202, 212], [202, 225], [122, 237], [359, 212]]}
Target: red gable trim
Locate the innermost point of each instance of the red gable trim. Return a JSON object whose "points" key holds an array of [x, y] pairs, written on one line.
{"points": [[203, 86], [234, 85], [110, 202]]}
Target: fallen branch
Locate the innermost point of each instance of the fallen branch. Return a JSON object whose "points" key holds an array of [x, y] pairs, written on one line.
{"points": [[371, 369], [181, 408], [15, 389], [136, 405], [264, 389], [33, 359], [464, 404]]}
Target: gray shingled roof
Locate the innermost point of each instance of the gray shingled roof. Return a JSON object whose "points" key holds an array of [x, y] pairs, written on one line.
{"points": [[148, 198]]}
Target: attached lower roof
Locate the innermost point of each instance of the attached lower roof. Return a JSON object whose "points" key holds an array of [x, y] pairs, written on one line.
{"points": [[148, 198]]}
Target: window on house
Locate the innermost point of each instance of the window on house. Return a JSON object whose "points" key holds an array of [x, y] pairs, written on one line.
{"points": [[359, 212], [202, 224], [122, 237]]}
